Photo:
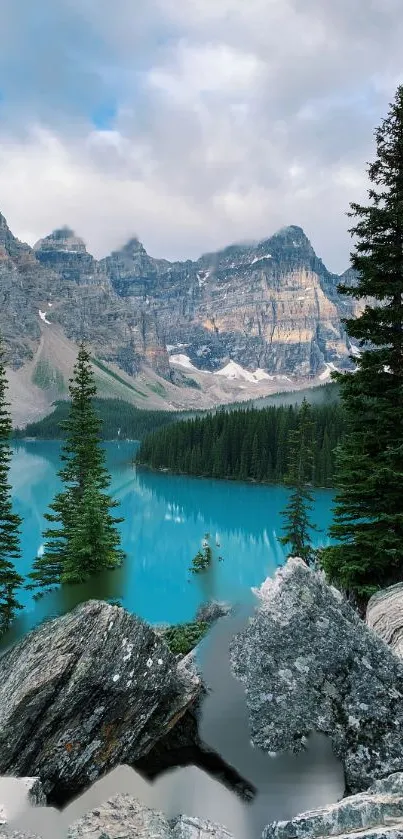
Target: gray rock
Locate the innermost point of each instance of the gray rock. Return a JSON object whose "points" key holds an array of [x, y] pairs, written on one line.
{"points": [[86, 692], [376, 813], [123, 816], [120, 815], [385, 616], [310, 664], [187, 828], [213, 611]]}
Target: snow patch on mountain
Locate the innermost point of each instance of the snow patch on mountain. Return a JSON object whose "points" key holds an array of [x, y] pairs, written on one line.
{"points": [[171, 347], [259, 258], [182, 360], [232, 370], [202, 277], [330, 368], [260, 374], [43, 317]]}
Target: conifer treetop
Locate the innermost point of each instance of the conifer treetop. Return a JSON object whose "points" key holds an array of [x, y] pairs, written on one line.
{"points": [[10, 522], [368, 516]]}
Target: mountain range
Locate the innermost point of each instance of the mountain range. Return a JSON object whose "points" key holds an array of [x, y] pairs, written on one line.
{"points": [[245, 321]]}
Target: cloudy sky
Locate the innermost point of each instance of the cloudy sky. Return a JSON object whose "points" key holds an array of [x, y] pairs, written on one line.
{"points": [[192, 124]]}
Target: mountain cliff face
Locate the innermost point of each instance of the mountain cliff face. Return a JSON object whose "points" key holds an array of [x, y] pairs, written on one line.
{"points": [[270, 306], [58, 282]]}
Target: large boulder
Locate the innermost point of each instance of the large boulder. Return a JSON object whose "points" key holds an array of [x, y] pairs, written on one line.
{"points": [[86, 692], [310, 664], [374, 814], [385, 616]]}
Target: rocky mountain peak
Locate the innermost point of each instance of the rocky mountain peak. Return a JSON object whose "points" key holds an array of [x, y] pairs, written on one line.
{"points": [[130, 266], [295, 229], [66, 253], [290, 243], [62, 239], [291, 248], [291, 236], [9, 244], [3, 222], [132, 249]]}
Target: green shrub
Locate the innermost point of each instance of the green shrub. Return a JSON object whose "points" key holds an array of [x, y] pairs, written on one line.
{"points": [[184, 637]]}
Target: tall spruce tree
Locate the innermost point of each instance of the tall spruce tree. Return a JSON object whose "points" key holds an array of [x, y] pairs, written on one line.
{"points": [[296, 514], [368, 518], [10, 522], [86, 540]]}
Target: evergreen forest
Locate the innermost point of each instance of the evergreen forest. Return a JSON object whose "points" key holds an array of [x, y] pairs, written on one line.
{"points": [[245, 444], [120, 421]]}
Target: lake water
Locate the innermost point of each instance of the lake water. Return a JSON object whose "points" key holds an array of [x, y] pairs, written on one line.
{"points": [[165, 519]]}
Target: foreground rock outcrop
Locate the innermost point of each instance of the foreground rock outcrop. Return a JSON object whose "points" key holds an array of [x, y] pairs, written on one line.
{"points": [[385, 616], [310, 664], [86, 692], [376, 813], [123, 815]]}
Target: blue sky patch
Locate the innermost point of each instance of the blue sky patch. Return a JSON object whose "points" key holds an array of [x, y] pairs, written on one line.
{"points": [[103, 117]]}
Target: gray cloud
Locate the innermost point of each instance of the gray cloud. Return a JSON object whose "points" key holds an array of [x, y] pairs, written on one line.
{"points": [[232, 118]]}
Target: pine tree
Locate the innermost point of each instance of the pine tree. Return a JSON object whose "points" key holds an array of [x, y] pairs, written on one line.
{"points": [[256, 458], [296, 514], [327, 461], [86, 540], [368, 518], [93, 540], [10, 522], [244, 467]]}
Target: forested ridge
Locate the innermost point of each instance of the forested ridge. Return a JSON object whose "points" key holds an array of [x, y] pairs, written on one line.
{"points": [[120, 420], [246, 444]]}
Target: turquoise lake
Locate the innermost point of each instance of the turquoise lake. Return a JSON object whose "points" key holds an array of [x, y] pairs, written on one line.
{"points": [[165, 519]]}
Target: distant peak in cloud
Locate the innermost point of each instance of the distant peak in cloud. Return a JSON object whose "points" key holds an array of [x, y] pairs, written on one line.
{"points": [[133, 245], [63, 238]]}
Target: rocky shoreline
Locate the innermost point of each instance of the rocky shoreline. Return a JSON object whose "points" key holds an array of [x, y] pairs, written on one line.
{"points": [[98, 688]]}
